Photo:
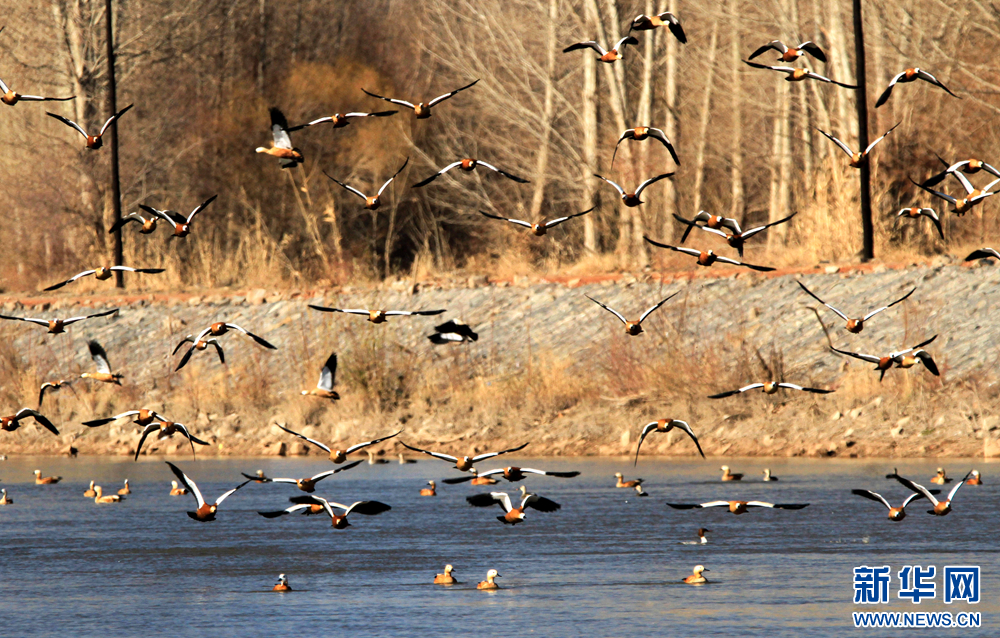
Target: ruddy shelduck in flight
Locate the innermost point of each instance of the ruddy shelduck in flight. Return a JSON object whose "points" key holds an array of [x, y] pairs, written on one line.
{"points": [[910, 75], [663, 426], [513, 515], [466, 462], [340, 120], [708, 257], [942, 507], [769, 387], [646, 22], [205, 512], [540, 228], [915, 213], [100, 359], [738, 507], [10, 97], [56, 326], [379, 316], [797, 75], [165, 429], [855, 325], [856, 159], [641, 133], [633, 199], [616, 52], [288, 156], [901, 359], [93, 142], [791, 54], [633, 328], [13, 422], [736, 239], [181, 224], [327, 378], [338, 456], [307, 484], [373, 202], [468, 165], [422, 109], [104, 273]]}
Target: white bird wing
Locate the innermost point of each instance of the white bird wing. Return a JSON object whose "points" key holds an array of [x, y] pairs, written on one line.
{"points": [[955, 489], [752, 386], [188, 483], [878, 310], [585, 45], [918, 488], [44, 322], [437, 455], [504, 499], [843, 147], [872, 145], [327, 375], [759, 504], [389, 181], [201, 207], [790, 386], [281, 137], [618, 188], [654, 307], [354, 448], [229, 493], [4, 87], [727, 260], [909, 499], [442, 98], [68, 122], [305, 438], [611, 310], [715, 504], [489, 455], [878, 497], [966, 184], [649, 181]]}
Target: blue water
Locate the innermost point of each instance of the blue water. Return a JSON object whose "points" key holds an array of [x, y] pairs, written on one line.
{"points": [[607, 564]]}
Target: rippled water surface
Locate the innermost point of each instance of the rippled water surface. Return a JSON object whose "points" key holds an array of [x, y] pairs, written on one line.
{"points": [[607, 564]]}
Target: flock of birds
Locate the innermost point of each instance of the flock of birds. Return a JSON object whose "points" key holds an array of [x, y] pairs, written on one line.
{"points": [[513, 507]]}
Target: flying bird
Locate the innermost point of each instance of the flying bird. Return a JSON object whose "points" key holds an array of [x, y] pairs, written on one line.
{"points": [[856, 158], [969, 167], [220, 328], [338, 456], [633, 199], [379, 316], [738, 507], [307, 484], [615, 53], [663, 426], [100, 358], [288, 156], [641, 133], [632, 328], [737, 239], [199, 345], [704, 219], [56, 326], [373, 202], [855, 325], [902, 359], [93, 142], [166, 429], [895, 513], [181, 224], [769, 388], [791, 54], [513, 515], [983, 253], [102, 273], [12, 422], [647, 22], [341, 120], [972, 195], [797, 75], [205, 512], [338, 521], [942, 507], [540, 228], [512, 474], [11, 97], [327, 377], [53, 386], [422, 110], [910, 75], [143, 418], [452, 331], [468, 165], [929, 213], [147, 226], [465, 463], [707, 258]]}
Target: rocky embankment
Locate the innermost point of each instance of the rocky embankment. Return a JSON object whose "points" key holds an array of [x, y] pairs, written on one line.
{"points": [[718, 328]]}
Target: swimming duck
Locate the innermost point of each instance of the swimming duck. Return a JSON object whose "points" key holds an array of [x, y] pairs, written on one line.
{"points": [[633, 199], [856, 159], [942, 507], [100, 358], [701, 537], [11, 423], [339, 456], [452, 331], [57, 326], [327, 377], [446, 578], [205, 512], [739, 507], [181, 224], [220, 328], [736, 239], [176, 490], [915, 212], [422, 110], [768, 476], [708, 257], [288, 156], [940, 478], [374, 461], [429, 491], [641, 133], [166, 429], [696, 578], [100, 498], [379, 316], [93, 142], [102, 273], [143, 418], [797, 75], [89, 492], [468, 165], [307, 485], [10, 97], [511, 473], [623, 483], [513, 515], [53, 386], [45, 480], [974, 478], [769, 387], [730, 476], [972, 195], [373, 202], [282, 584], [646, 22], [895, 513], [197, 345], [125, 491], [632, 328], [902, 359], [465, 463], [910, 75], [540, 228], [341, 120], [488, 583], [146, 226], [663, 426], [791, 54], [338, 521], [615, 53], [4, 499], [855, 325]]}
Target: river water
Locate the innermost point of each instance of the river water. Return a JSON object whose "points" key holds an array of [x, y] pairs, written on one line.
{"points": [[607, 564]]}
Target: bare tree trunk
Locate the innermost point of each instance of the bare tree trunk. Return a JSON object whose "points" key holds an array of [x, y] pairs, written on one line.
{"points": [[780, 167], [706, 109], [588, 199], [542, 161], [670, 123], [736, 205], [847, 123]]}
